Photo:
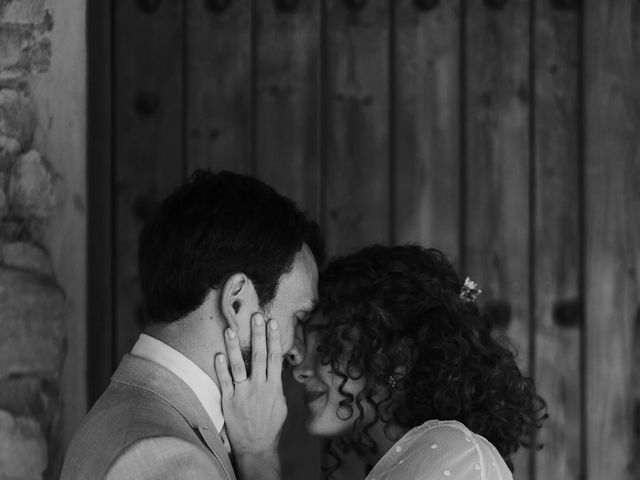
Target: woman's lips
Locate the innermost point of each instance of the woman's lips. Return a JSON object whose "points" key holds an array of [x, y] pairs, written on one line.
{"points": [[312, 396]]}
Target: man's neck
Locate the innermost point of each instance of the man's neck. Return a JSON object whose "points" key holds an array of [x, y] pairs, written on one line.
{"points": [[198, 336]]}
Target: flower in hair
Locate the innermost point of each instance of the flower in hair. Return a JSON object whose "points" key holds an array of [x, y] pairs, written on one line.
{"points": [[469, 291]]}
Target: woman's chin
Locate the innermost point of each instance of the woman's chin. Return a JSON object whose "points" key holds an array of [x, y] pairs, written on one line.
{"points": [[318, 428]]}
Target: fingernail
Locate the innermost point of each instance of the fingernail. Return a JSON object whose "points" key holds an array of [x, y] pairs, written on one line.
{"points": [[273, 325], [231, 334], [220, 358], [257, 320]]}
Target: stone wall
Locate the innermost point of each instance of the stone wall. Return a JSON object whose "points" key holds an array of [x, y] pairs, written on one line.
{"points": [[33, 306]]}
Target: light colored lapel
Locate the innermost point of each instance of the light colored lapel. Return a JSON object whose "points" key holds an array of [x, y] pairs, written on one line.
{"points": [[143, 373], [212, 439]]}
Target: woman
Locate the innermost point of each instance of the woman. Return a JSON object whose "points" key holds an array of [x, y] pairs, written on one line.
{"points": [[402, 367]]}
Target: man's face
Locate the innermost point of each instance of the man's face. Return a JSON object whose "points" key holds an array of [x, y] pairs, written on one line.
{"points": [[295, 301]]}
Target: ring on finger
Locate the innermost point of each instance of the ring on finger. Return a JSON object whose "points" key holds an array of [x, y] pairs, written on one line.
{"points": [[240, 381]]}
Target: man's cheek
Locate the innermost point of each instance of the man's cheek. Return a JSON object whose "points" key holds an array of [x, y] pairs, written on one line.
{"points": [[286, 342]]}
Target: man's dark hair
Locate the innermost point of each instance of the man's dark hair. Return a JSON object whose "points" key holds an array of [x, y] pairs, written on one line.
{"points": [[211, 227]]}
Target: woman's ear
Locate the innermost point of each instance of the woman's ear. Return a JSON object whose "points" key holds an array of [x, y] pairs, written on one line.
{"points": [[238, 301]]}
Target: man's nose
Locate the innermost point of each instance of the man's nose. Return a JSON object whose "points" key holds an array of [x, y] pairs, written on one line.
{"points": [[302, 372], [295, 356]]}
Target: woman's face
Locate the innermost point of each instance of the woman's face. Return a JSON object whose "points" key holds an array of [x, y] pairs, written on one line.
{"points": [[322, 395]]}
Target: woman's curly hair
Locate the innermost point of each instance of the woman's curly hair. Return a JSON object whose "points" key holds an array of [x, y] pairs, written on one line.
{"points": [[394, 316]]}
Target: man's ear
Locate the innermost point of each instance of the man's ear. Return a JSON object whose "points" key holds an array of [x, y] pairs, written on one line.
{"points": [[238, 301]]}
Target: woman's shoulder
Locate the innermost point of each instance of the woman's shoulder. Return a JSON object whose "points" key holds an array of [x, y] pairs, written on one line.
{"points": [[445, 435], [446, 449], [441, 427]]}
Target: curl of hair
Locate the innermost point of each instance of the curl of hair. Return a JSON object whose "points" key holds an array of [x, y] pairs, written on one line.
{"points": [[398, 309]]}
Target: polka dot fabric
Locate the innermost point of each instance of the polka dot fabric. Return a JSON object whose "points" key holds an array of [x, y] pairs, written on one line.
{"points": [[444, 450]]}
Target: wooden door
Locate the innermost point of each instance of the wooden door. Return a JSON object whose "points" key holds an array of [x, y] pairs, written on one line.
{"points": [[504, 132]]}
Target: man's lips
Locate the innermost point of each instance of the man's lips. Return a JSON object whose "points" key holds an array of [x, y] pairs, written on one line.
{"points": [[311, 396]]}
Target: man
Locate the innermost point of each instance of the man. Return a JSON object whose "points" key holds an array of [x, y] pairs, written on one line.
{"points": [[220, 249]]}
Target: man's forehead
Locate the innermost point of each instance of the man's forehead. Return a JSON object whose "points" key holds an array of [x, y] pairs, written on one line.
{"points": [[301, 283], [303, 288], [305, 255]]}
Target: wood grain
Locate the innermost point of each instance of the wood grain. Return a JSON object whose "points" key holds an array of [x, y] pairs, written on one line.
{"points": [[427, 125], [356, 166], [148, 138], [357, 114], [557, 254], [287, 101], [497, 166], [287, 69], [612, 187], [356, 125], [218, 93]]}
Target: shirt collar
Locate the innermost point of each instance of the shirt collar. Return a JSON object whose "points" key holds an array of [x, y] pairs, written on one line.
{"points": [[203, 386]]}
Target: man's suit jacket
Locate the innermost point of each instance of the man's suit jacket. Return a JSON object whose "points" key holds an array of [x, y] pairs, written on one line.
{"points": [[148, 424]]}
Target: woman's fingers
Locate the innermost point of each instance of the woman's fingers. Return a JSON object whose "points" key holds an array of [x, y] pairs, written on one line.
{"points": [[266, 354], [254, 408], [236, 362], [258, 349], [274, 365], [226, 384]]}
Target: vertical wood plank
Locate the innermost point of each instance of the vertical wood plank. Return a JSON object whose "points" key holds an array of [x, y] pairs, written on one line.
{"points": [[218, 95], [356, 173], [612, 189], [287, 158], [356, 125], [427, 125], [496, 167], [557, 253], [287, 101], [148, 137], [100, 225]]}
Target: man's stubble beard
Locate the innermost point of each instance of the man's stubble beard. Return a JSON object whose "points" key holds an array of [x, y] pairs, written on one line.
{"points": [[246, 357]]}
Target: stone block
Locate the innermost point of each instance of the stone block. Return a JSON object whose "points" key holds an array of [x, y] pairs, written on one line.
{"points": [[17, 117], [32, 187], [13, 39], [30, 397], [9, 149], [26, 256], [31, 12], [37, 57], [32, 323], [24, 51], [23, 449]]}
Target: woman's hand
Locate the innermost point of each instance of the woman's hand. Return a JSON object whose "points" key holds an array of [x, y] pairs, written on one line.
{"points": [[254, 407]]}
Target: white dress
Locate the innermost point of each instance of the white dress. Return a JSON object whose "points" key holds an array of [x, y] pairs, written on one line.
{"points": [[444, 450]]}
